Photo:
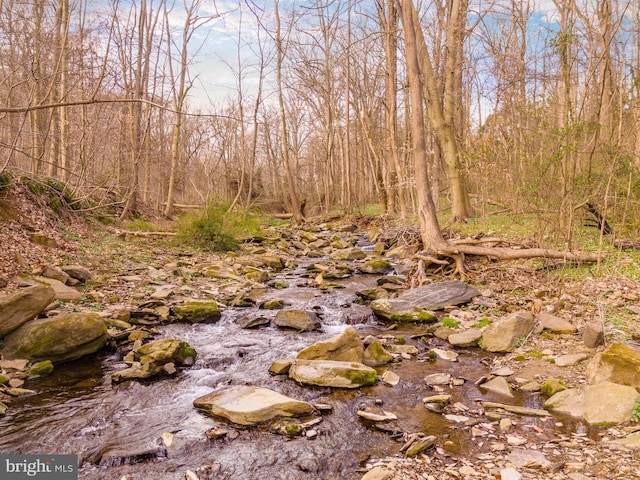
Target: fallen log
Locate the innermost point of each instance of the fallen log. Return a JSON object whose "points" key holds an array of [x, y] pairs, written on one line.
{"points": [[503, 253], [124, 233]]}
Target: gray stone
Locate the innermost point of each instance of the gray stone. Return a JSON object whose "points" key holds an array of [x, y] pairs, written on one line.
{"points": [[498, 385], [503, 335], [60, 339], [328, 373], [253, 321], [250, 405], [345, 347], [297, 320], [510, 474], [23, 305], [377, 416], [438, 379], [468, 338], [593, 335], [619, 363], [555, 324], [603, 404], [415, 305]]}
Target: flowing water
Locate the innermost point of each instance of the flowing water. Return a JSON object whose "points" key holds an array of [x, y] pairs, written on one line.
{"points": [[115, 429]]}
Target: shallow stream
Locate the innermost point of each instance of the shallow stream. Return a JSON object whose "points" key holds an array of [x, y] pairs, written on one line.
{"points": [[116, 429]]}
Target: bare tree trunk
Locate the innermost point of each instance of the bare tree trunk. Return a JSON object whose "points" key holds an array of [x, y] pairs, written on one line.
{"points": [[431, 234], [389, 21], [441, 117], [293, 196]]}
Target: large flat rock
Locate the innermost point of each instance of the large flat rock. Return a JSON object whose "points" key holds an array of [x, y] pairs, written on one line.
{"points": [[250, 405], [415, 305], [619, 363]]}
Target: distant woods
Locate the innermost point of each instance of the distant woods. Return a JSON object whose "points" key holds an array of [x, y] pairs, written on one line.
{"points": [[528, 112]]}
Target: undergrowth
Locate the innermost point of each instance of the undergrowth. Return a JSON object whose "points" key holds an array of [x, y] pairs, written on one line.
{"points": [[215, 229]]}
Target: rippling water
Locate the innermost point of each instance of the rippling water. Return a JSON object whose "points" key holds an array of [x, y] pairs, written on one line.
{"points": [[115, 429]]}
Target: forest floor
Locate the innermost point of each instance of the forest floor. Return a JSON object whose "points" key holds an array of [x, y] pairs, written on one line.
{"points": [[611, 297]]}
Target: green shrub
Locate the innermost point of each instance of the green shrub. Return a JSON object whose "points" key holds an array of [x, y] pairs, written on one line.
{"points": [[215, 229], [5, 180]]}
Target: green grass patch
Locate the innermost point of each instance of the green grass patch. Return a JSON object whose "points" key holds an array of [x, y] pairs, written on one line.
{"points": [[449, 322]]}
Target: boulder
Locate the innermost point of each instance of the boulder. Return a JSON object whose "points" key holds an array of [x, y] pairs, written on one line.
{"points": [[250, 405], [329, 373], [346, 347], [467, 338], [606, 403], [23, 305], [297, 320], [197, 312], [415, 305], [52, 271], [375, 355], [60, 339], [619, 363], [503, 335], [555, 324], [157, 357]]}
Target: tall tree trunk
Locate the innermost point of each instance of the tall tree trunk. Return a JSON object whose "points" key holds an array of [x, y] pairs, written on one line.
{"points": [[430, 232], [293, 196]]}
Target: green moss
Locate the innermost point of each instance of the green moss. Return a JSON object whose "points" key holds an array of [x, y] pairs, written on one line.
{"points": [[520, 358], [552, 386], [401, 340], [4, 379], [293, 429], [194, 312], [362, 377], [40, 369]]}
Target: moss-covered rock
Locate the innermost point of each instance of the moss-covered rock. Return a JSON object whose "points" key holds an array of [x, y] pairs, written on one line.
{"points": [[328, 373], [60, 339], [197, 312], [619, 364], [552, 386], [300, 320], [376, 355], [39, 369], [378, 266], [395, 311], [157, 357]]}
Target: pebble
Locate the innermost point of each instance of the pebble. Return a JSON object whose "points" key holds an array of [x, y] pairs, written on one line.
{"points": [[515, 440]]}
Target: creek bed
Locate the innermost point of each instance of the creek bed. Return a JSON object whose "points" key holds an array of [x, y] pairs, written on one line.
{"points": [[116, 429]]}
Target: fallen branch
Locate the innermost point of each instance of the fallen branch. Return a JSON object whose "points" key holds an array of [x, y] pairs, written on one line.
{"points": [[503, 253], [124, 233]]}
